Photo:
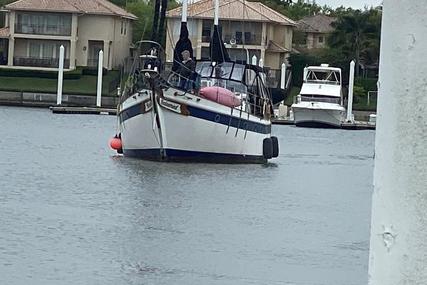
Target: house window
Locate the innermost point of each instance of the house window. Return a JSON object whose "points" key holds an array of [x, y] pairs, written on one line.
{"points": [[121, 29], [239, 37], [205, 53], [34, 50], [321, 39], [43, 24], [248, 38], [206, 31], [125, 29], [46, 50]]}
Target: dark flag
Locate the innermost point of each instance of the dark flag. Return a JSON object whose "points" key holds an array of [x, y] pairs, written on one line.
{"points": [[217, 48], [183, 43]]}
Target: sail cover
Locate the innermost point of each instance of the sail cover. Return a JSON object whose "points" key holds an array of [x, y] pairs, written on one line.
{"points": [[182, 44], [217, 48]]}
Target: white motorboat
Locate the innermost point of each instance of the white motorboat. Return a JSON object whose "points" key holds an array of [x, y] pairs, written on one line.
{"points": [[320, 102]]}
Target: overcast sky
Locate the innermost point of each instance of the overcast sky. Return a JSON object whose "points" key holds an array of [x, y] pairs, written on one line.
{"points": [[357, 4]]}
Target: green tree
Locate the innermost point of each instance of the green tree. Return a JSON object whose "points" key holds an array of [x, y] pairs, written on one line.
{"points": [[357, 35]]}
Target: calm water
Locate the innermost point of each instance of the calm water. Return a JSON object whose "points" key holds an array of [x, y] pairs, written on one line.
{"points": [[74, 213]]}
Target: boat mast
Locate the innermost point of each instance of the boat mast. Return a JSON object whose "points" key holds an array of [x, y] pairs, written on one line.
{"points": [[184, 11], [216, 13]]}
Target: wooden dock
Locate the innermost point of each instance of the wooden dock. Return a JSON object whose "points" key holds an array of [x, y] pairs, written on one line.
{"points": [[282, 122], [83, 110], [357, 125]]}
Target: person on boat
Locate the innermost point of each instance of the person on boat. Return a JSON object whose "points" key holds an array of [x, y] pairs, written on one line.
{"points": [[186, 71]]}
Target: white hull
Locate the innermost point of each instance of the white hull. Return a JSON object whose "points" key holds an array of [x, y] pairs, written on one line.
{"points": [[186, 127], [316, 114]]}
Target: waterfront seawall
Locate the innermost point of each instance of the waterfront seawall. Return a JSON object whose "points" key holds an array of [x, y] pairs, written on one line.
{"points": [[31, 99]]}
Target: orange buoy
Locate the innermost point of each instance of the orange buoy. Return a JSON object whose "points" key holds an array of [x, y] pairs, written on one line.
{"points": [[116, 143]]}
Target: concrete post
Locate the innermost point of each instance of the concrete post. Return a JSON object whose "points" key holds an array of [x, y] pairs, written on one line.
{"points": [[350, 93], [73, 44], [398, 243], [106, 53], [11, 51], [99, 87], [60, 75], [283, 76]]}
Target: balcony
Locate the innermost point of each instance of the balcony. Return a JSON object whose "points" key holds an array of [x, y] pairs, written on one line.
{"points": [[249, 39], [39, 62], [50, 30]]}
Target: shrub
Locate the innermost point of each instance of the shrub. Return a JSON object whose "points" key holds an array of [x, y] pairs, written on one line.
{"points": [[74, 74], [359, 94]]}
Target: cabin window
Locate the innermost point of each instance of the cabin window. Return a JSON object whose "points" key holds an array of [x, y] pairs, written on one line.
{"points": [[223, 70], [238, 72], [321, 39]]}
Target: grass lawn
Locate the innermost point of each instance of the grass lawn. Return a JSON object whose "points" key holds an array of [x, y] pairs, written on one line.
{"points": [[86, 85]]}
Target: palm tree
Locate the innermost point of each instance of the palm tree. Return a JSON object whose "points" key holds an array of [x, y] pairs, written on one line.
{"points": [[357, 35]]}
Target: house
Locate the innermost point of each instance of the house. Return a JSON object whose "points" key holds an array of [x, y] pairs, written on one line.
{"points": [[247, 28], [313, 31], [35, 29]]}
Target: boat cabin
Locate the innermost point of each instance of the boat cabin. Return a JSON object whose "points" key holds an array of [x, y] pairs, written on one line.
{"points": [[322, 84]]}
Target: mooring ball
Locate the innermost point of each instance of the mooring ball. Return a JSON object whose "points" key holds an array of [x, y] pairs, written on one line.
{"points": [[116, 143]]}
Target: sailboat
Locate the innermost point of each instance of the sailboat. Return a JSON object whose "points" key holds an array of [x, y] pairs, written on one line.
{"points": [[219, 112]]}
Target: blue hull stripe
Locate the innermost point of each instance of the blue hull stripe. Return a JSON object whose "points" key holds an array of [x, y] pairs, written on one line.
{"points": [[192, 156], [130, 112], [218, 118]]}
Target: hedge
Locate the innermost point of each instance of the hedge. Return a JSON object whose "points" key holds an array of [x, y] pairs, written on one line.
{"points": [[6, 72]]}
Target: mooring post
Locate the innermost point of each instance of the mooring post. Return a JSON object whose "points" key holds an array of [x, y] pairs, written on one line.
{"points": [[283, 76], [350, 93], [99, 87], [60, 75], [254, 60], [398, 244]]}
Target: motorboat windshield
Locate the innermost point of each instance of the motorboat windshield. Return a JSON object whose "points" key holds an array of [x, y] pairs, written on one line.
{"points": [[330, 76]]}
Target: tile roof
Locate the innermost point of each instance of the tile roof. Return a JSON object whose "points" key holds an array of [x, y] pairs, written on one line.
{"points": [[316, 24], [240, 10], [4, 32], [100, 7]]}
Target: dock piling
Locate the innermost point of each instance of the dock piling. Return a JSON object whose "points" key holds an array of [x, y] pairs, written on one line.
{"points": [[60, 75], [99, 87], [350, 117]]}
